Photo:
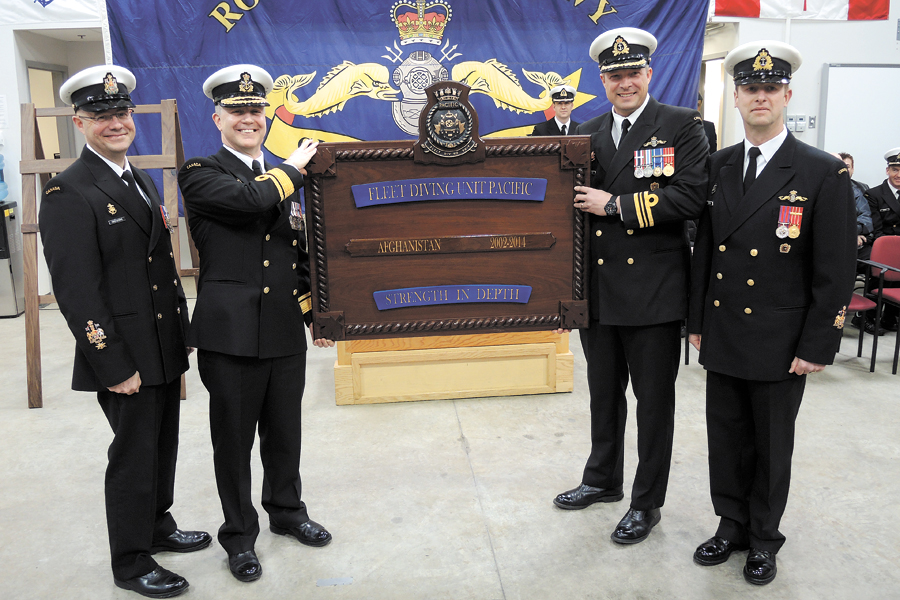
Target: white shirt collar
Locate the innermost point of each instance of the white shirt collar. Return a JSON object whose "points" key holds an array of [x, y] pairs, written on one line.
{"points": [[560, 124], [116, 168], [246, 159], [767, 150], [632, 118], [894, 190]]}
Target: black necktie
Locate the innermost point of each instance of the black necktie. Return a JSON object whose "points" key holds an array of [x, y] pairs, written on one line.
{"points": [[257, 170], [563, 130], [133, 186], [626, 125], [750, 175]]}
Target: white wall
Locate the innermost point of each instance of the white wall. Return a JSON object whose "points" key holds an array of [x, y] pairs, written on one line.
{"points": [[820, 43], [25, 46]]}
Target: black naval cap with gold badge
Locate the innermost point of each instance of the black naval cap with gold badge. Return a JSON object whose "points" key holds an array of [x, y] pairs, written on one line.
{"points": [[563, 93], [239, 85], [892, 157], [99, 88], [765, 61], [623, 48]]}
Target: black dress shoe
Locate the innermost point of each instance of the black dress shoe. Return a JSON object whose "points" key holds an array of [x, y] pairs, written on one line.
{"points": [[760, 568], [309, 533], [870, 328], [715, 551], [158, 583], [182, 541], [245, 566], [635, 526], [585, 495]]}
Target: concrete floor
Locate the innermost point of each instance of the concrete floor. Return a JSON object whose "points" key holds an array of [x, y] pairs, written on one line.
{"points": [[452, 499]]}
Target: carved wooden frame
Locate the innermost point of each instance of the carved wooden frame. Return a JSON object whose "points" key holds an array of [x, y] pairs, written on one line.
{"points": [[573, 153]]}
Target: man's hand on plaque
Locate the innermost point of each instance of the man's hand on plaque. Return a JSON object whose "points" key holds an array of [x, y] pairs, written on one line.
{"points": [[590, 200], [300, 157]]}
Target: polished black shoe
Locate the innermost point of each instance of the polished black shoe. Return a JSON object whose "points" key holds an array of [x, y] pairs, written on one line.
{"points": [[891, 325], [158, 583], [760, 568], [635, 526], [715, 551], [309, 533], [870, 328], [182, 541], [245, 566], [585, 495]]}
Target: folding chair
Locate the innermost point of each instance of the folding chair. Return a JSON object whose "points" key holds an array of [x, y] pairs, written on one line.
{"points": [[860, 304], [885, 265]]}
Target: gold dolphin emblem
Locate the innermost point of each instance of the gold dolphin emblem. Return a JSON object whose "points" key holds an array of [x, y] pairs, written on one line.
{"points": [[792, 197], [496, 80], [342, 83]]}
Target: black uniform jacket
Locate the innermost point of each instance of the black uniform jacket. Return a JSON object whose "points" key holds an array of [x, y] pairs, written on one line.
{"points": [[549, 127], [114, 277], [639, 263], [253, 296], [760, 300], [885, 210]]}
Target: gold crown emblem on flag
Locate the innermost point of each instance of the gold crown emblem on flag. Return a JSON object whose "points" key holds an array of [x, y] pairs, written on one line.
{"points": [[421, 21]]}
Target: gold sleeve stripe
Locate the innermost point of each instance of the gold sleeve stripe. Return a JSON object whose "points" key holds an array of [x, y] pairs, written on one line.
{"points": [[284, 182], [643, 204], [281, 180], [305, 303], [639, 210], [650, 200]]}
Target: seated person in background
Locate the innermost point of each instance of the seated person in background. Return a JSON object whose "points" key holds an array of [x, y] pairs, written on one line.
{"points": [[864, 237], [885, 207], [562, 123]]}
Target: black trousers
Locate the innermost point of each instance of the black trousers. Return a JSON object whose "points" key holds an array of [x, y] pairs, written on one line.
{"points": [[246, 393], [650, 355], [140, 476], [750, 430]]}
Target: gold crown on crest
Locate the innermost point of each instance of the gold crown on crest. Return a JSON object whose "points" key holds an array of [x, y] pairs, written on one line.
{"points": [[422, 21]]}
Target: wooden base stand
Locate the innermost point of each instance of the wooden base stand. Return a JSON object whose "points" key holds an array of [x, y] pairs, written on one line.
{"points": [[459, 366]]}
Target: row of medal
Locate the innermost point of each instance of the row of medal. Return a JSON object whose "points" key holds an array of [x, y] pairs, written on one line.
{"points": [[654, 162], [789, 219]]}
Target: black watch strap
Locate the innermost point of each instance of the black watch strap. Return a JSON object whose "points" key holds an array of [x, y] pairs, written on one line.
{"points": [[611, 208]]}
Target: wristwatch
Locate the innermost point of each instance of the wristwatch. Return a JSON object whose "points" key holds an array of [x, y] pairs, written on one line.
{"points": [[611, 208]]}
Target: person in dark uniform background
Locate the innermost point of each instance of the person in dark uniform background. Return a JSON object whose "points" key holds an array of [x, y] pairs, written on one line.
{"points": [[561, 123], [252, 304], [708, 127], [884, 203], [773, 270], [649, 176], [108, 249]]}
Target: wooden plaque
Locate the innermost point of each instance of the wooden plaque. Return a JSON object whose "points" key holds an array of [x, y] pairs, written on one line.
{"points": [[406, 239]]}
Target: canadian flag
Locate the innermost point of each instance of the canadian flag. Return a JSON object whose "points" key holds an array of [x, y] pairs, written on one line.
{"points": [[837, 10]]}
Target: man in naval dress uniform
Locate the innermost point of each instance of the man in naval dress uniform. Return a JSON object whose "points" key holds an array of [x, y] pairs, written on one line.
{"points": [[253, 302], [773, 270], [649, 176], [106, 241], [561, 124]]}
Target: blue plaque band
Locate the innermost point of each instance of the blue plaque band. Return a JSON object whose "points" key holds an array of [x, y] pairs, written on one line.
{"points": [[449, 188], [451, 294]]}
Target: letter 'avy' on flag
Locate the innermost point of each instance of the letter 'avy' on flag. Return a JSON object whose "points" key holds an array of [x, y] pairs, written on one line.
{"points": [[831, 10]]}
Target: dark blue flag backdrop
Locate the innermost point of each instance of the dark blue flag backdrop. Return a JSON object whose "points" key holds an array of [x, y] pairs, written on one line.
{"points": [[357, 70]]}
